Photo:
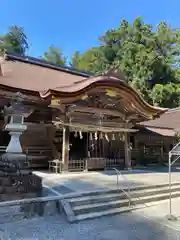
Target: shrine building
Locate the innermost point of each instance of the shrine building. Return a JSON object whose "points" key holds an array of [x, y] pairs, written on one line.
{"points": [[87, 122]]}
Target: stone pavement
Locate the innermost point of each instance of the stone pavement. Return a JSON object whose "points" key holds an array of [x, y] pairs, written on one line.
{"points": [[143, 224], [158, 213], [83, 182]]}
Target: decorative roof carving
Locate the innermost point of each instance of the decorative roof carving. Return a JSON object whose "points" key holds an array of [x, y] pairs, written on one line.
{"points": [[134, 102], [115, 72]]}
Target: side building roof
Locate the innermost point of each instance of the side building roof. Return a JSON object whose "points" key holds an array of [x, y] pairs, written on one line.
{"points": [[168, 124], [170, 119]]}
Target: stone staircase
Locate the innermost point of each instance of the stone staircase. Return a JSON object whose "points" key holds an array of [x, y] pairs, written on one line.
{"points": [[107, 202], [87, 205]]}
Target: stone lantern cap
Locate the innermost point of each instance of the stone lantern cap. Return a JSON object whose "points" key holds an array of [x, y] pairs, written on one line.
{"points": [[17, 106]]}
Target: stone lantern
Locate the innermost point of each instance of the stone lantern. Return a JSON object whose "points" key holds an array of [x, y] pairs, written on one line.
{"points": [[15, 114], [16, 180]]}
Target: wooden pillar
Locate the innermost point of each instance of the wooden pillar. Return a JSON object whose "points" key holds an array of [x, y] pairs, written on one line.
{"points": [[127, 150], [87, 144], [65, 148], [50, 133]]}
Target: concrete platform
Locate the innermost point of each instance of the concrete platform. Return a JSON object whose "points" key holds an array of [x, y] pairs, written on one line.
{"points": [[89, 181]]}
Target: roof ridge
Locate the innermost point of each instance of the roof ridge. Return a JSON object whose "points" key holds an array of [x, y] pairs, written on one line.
{"points": [[173, 110], [44, 63], [157, 127]]}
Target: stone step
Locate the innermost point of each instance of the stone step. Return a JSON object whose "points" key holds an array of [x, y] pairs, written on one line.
{"points": [[119, 195], [116, 207], [108, 212], [114, 190]]}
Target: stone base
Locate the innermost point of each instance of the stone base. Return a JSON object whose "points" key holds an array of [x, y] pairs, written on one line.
{"points": [[18, 159], [14, 187], [20, 211], [171, 217]]}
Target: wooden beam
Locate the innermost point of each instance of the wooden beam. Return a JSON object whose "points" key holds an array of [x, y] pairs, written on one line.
{"points": [[93, 128], [98, 111], [58, 106], [101, 111]]}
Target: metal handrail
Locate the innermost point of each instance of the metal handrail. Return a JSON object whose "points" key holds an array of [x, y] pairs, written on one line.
{"points": [[128, 194], [171, 153]]}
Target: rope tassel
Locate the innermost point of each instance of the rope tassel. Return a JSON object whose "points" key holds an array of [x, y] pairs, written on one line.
{"points": [[106, 137], [80, 135], [90, 137], [101, 135], [96, 136]]}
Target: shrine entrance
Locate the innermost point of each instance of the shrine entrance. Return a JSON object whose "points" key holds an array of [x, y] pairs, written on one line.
{"points": [[102, 112], [77, 145]]}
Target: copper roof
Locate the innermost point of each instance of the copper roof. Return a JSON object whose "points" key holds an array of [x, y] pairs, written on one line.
{"points": [[162, 131], [122, 89], [170, 119], [46, 80], [36, 75]]}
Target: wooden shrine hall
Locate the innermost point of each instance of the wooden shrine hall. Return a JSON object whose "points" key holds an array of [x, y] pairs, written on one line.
{"points": [[85, 121]]}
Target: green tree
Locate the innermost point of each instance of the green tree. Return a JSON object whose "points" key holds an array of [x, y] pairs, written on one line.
{"points": [[54, 55], [92, 60], [148, 57], [166, 95], [15, 41], [75, 59]]}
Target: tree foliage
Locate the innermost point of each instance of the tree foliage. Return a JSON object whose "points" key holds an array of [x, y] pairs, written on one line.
{"points": [[148, 57], [92, 60], [15, 41], [54, 55]]}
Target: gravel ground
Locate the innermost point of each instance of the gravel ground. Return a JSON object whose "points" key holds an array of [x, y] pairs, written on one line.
{"points": [[142, 225], [131, 226]]}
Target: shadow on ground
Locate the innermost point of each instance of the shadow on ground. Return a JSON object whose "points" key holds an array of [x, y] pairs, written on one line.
{"points": [[143, 170], [131, 226]]}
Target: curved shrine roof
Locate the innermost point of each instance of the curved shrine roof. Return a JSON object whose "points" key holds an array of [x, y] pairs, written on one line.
{"points": [[32, 76]]}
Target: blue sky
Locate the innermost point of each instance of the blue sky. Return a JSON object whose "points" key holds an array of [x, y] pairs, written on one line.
{"points": [[76, 24]]}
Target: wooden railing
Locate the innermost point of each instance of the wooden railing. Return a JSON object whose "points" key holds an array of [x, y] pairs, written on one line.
{"points": [[77, 165], [93, 164]]}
